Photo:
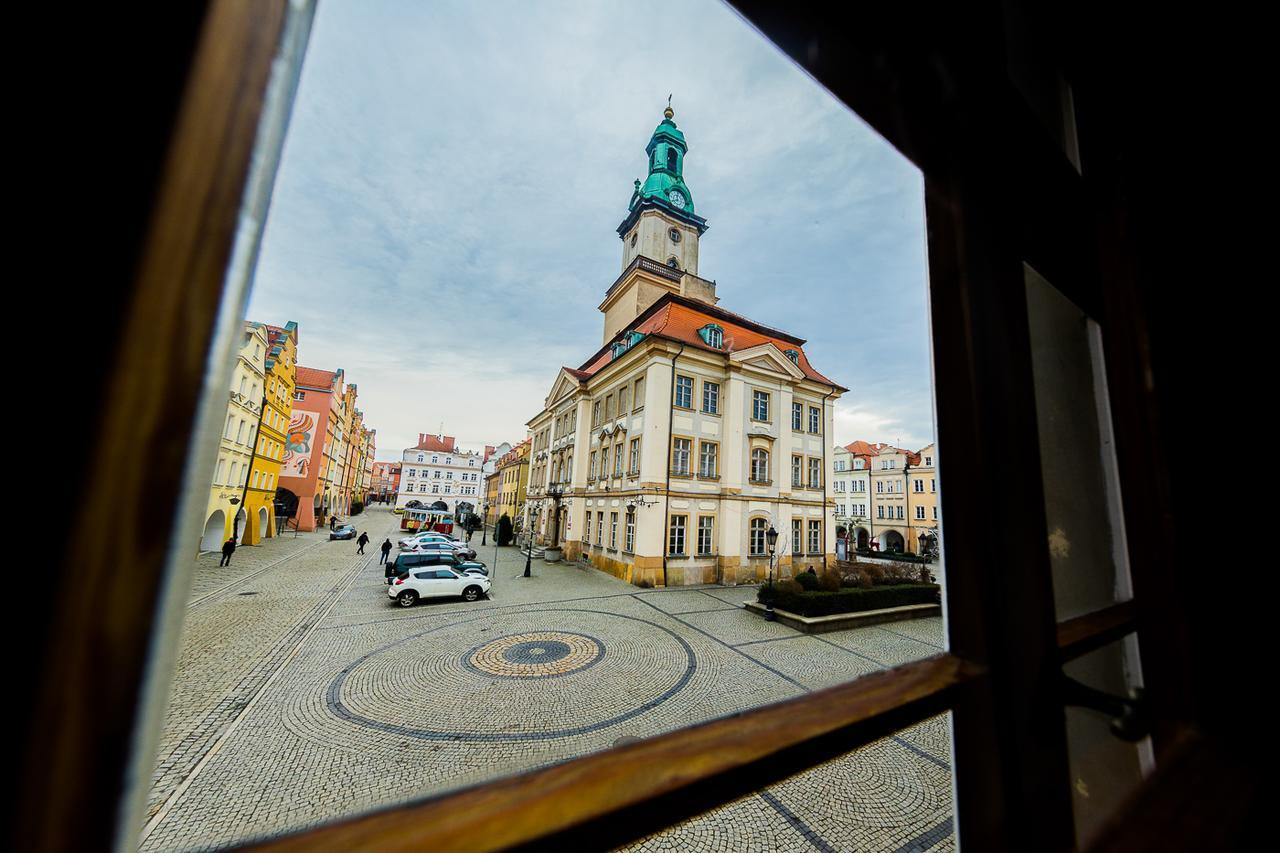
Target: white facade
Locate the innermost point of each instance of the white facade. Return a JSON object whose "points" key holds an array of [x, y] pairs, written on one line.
{"points": [[439, 471], [851, 484]]}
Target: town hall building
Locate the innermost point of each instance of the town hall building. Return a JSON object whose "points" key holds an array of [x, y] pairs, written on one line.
{"points": [[667, 456]]}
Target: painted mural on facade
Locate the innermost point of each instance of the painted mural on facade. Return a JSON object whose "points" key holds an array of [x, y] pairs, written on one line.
{"points": [[300, 443]]}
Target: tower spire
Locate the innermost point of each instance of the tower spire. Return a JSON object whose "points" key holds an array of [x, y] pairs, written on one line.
{"points": [[668, 112]]}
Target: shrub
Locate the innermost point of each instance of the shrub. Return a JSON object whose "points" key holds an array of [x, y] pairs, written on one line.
{"points": [[823, 603], [645, 584], [829, 582], [504, 532], [807, 581], [357, 507]]}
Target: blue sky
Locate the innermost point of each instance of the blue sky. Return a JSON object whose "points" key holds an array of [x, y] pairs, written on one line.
{"points": [[442, 226]]}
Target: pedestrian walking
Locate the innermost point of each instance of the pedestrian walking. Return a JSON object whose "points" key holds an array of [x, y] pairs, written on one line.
{"points": [[386, 550], [362, 541], [228, 548]]}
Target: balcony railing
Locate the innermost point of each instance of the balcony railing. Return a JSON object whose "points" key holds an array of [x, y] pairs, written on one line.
{"points": [[648, 265]]}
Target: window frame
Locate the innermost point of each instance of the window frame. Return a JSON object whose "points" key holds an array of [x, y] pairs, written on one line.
{"points": [[1008, 781]]}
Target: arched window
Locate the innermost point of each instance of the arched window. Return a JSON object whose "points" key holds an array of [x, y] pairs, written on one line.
{"points": [[794, 355], [673, 158], [760, 465], [673, 262], [713, 335], [756, 542]]}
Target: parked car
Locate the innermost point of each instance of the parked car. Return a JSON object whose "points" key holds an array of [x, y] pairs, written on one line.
{"points": [[429, 536], [464, 551], [415, 560], [428, 543], [343, 531], [437, 582]]}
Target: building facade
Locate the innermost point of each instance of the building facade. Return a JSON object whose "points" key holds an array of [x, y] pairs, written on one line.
{"points": [[225, 515], [386, 480], [922, 499], [436, 472], [667, 456], [305, 473], [513, 479], [280, 366]]}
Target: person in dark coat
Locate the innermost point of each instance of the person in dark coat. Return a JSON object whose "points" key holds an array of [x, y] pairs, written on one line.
{"points": [[386, 549], [362, 541], [228, 548]]}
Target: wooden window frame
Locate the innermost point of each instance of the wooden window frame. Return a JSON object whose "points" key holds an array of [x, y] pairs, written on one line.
{"points": [[1011, 760]]}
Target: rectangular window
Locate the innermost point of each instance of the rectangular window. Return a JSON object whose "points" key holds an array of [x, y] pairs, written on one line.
{"points": [[639, 395], [617, 461], [919, 485], [760, 405], [595, 413], [879, 487], [600, 528], [680, 449], [756, 538], [707, 461], [933, 485], [635, 456], [920, 512], [815, 537], [586, 530], [797, 416], [622, 400], [591, 474], [684, 392], [815, 420], [935, 513], [797, 537], [675, 538], [706, 531], [899, 511], [797, 471], [879, 512], [604, 462], [613, 530], [608, 408], [815, 473], [711, 397], [631, 531]]}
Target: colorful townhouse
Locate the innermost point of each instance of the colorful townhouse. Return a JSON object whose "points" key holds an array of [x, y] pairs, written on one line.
{"points": [[280, 367], [307, 465]]}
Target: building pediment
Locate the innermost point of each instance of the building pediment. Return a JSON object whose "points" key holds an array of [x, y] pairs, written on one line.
{"points": [[566, 383], [767, 358]]}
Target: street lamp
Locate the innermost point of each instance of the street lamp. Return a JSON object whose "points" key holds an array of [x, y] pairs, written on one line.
{"points": [[528, 559], [771, 536], [484, 525]]}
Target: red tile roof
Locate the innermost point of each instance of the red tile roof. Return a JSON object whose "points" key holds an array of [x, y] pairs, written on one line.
{"points": [[440, 444], [678, 318], [310, 377], [861, 448]]}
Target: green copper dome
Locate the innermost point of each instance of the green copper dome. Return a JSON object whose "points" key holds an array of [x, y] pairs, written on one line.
{"points": [[664, 186]]}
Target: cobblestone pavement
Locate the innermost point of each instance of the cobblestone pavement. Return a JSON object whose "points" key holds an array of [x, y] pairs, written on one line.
{"points": [[317, 698]]}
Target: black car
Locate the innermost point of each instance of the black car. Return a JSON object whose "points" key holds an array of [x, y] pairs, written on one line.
{"points": [[342, 531], [404, 563]]}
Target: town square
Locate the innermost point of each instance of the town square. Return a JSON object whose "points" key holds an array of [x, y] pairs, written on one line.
{"points": [[303, 695]]}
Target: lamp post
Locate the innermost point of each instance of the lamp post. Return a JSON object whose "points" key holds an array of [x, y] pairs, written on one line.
{"points": [[528, 557], [484, 525], [771, 536]]}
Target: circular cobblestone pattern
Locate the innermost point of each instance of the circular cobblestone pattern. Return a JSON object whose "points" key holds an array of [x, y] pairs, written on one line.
{"points": [[542, 654], [533, 675]]}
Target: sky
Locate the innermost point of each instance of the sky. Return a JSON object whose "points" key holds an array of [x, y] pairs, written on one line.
{"points": [[443, 222]]}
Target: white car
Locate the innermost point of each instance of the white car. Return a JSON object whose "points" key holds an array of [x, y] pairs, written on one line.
{"points": [[430, 536], [437, 582], [436, 546]]}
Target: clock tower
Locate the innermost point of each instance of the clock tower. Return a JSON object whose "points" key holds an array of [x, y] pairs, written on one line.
{"points": [[660, 222], [660, 230]]}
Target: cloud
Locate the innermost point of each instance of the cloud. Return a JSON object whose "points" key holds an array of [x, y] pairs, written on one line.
{"points": [[443, 221]]}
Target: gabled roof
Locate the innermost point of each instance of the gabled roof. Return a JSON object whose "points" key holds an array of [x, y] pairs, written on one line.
{"points": [[861, 448], [315, 379], [679, 318], [437, 443]]}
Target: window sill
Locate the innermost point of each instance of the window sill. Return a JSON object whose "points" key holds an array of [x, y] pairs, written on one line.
{"points": [[677, 556], [710, 414], [681, 476], [715, 477], [761, 482]]}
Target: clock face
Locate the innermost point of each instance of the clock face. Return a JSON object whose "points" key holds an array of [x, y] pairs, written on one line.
{"points": [[676, 197]]}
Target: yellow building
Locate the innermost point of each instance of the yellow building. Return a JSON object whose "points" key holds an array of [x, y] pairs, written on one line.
{"points": [[922, 499], [281, 369], [513, 481], [225, 515]]}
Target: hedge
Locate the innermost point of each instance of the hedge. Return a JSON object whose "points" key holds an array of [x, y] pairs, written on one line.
{"points": [[820, 603]]}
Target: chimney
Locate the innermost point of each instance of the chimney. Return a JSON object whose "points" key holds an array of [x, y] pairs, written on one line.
{"points": [[422, 437]]}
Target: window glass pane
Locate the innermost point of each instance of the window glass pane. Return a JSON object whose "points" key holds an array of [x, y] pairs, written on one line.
{"points": [[1104, 769], [1077, 456], [321, 694]]}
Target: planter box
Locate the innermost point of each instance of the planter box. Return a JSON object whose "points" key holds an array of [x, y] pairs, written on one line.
{"points": [[844, 621], [553, 555]]}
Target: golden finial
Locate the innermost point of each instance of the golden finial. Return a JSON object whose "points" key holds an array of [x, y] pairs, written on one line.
{"points": [[668, 112]]}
